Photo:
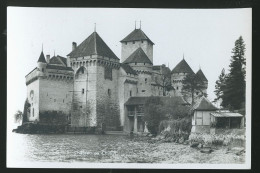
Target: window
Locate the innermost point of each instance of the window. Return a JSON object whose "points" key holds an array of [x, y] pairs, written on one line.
{"points": [[177, 88], [136, 90], [144, 63], [142, 41], [125, 43], [197, 93], [82, 90], [43, 70], [33, 112], [135, 63], [109, 92], [143, 91], [108, 73], [133, 42], [145, 80], [130, 93], [63, 100]]}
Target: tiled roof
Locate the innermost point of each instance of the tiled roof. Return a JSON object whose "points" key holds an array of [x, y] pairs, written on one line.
{"points": [[182, 67], [42, 58], [201, 75], [204, 104], [226, 114], [142, 100], [49, 66], [93, 45], [136, 35], [138, 56], [128, 69], [58, 60]]}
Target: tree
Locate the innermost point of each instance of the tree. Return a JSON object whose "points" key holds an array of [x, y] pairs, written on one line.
{"points": [[190, 85], [174, 110], [18, 116], [166, 79], [153, 113], [231, 87], [220, 87]]}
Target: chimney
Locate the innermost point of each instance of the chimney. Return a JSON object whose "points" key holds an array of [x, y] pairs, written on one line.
{"points": [[74, 45], [48, 59]]}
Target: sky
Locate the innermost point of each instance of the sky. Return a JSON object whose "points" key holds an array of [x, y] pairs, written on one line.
{"points": [[205, 37]]}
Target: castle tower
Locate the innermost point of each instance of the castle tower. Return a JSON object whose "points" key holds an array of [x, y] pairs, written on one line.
{"points": [[42, 62], [200, 75], [95, 96], [178, 74], [135, 40]]}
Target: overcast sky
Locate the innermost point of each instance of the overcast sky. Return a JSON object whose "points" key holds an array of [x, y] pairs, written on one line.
{"points": [[205, 37]]}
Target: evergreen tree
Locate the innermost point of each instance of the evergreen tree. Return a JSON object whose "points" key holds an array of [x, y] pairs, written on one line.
{"points": [[220, 87], [190, 85], [233, 87]]}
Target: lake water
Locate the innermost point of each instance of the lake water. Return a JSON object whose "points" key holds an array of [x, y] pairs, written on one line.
{"points": [[25, 150]]}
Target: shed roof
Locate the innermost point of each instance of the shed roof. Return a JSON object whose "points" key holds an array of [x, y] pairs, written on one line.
{"points": [[136, 35], [142, 100], [204, 104], [93, 45], [138, 56], [182, 67], [226, 114]]}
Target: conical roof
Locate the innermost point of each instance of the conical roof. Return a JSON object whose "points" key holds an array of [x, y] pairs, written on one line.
{"points": [[201, 75], [138, 56], [182, 67], [42, 58], [136, 35], [204, 104], [93, 45]]}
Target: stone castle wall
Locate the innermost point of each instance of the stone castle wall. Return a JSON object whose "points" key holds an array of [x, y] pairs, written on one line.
{"points": [[33, 87], [107, 106]]}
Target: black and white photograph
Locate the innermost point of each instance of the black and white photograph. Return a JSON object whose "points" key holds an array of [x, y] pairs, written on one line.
{"points": [[129, 88]]}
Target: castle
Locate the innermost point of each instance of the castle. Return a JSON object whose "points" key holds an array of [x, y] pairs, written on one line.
{"points": [[92, 88]]}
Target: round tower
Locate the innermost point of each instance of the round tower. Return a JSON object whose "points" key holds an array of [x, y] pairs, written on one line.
{"points": [[41, 63]]}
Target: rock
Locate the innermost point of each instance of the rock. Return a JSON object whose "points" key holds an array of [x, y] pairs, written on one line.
{"points": [[200, 145], [194, 145], [208, 151]]}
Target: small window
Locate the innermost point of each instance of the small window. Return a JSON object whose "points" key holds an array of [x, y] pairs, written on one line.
{"points": [[143, 91], [63, 100], [136, 90], [135, 63], [43, 70], [109, 92], [177, 88], [125, 43], [144, 63], [80, 106], [142, 41], [130, 93], [197, 93], [145, 80], [82, 90], [133, 42], [33, 112]]}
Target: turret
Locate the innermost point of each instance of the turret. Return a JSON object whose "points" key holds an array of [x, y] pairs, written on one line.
{"points": [[42, 63], [135, 40]]}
